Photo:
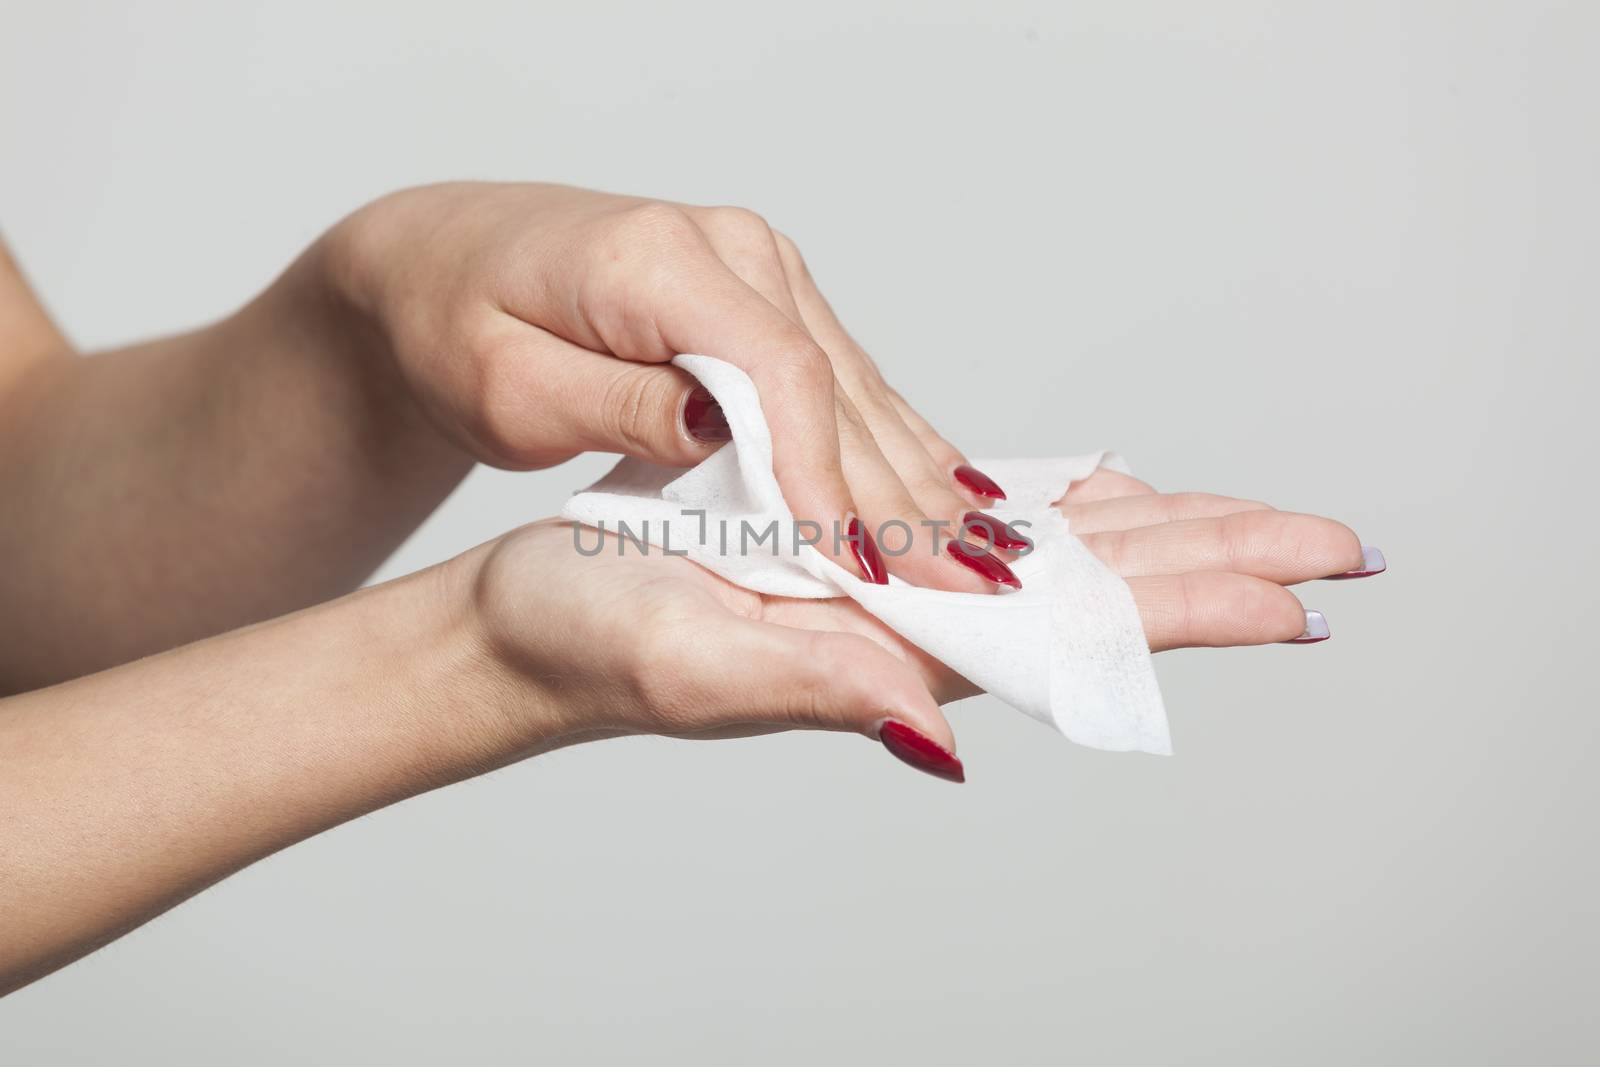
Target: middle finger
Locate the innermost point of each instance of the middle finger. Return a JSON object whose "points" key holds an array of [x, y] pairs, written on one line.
{"points": [[1279, 546]]}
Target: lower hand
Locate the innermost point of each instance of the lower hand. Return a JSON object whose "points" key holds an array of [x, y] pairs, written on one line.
{"points": [[638, 643]]}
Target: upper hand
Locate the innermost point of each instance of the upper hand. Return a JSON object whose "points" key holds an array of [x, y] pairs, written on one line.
{"points": [[534, 322]]}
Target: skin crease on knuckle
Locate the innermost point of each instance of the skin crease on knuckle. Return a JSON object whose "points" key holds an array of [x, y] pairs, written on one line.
{"points": [[820, 701], [658, 224], [749, 247], [661, 679], [802, 366], [789, 255], [800, 369], [1176, 507], [643, 259], [631, 414]]}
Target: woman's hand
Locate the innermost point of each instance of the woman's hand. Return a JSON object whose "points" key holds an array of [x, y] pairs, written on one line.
{"points": [[206, 758], [636, 643], [534, 322]]}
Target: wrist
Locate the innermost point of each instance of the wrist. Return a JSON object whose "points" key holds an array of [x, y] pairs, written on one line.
{"points": [[321, 318], [456, 706]]}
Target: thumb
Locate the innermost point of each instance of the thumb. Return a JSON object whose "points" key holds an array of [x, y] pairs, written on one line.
{"points": [[826, 680], [554, 398], [650, 410]]}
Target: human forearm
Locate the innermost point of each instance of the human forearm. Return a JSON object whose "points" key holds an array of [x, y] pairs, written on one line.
{"points": [[27, 333], [179, 488], [125, 792]]}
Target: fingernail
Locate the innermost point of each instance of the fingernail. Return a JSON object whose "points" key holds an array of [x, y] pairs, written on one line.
{"points": [[1372, 562], [1316, 630], [982, 563], [999, 533], [920, 751], [865, 549], [703, 417], [978, 482]]}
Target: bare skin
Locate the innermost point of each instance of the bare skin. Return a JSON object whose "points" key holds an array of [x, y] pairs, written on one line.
{"points": [[156, 499]]}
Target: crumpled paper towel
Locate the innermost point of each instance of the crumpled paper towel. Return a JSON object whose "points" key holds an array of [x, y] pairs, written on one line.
{"points": [[1067, 648]]}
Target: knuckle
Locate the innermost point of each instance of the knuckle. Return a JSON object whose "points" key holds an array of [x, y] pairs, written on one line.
{"points": [[789, 253], [1112, 548], [848, 416], [1181, 611], [657, 224], [869, 396], [1191, 504], [802, 363], [737, 221], [832, 656], [627, 411], [1175, 507], [655, 682], [933, 495]]}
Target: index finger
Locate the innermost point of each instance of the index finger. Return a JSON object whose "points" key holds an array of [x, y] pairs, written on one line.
{"points": [[707, 309]]}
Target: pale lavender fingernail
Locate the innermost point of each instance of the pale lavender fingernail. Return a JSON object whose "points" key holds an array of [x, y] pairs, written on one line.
{"points": [[1372, 562], [1316, 630]]}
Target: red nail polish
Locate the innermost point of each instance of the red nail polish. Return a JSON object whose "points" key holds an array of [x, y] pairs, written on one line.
{"points": [[978, 482], [998, 533], [982, 563], [703, 417], [865, 549], [921, 751]]}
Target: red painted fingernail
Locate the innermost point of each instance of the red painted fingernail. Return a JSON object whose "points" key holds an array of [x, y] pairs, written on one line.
{"points": [[1372, 562], [999, 534], [982, 563], [921, 751], [978, 482], [703, 417], [865, 549]]}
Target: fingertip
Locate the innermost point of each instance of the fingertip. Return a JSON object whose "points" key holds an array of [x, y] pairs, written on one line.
{"points": [[1215, 609], [978, 483], [919, 749], [986, 565], [1315, 630], [702, 419]]}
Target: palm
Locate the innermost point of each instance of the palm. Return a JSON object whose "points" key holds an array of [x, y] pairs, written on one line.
{"points": [[663, 645]]}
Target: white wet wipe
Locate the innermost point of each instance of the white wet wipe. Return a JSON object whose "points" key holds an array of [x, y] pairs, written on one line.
{"points": [[1067, 648]]}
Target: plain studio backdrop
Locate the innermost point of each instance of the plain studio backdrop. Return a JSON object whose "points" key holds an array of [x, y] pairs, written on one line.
{"points": [[1342, 258]]}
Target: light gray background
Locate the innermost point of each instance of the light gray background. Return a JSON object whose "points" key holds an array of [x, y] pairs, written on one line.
{"points": [[1341, 257]]}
